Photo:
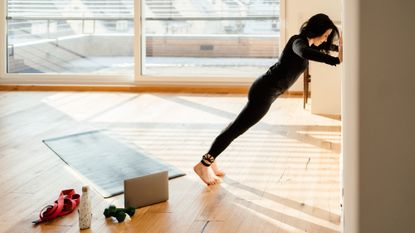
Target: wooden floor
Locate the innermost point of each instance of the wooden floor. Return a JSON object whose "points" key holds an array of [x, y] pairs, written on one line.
{"points": [[282, 175]]}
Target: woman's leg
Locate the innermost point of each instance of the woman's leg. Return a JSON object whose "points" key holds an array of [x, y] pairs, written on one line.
{"points": [[249, 116], [260, 97]]}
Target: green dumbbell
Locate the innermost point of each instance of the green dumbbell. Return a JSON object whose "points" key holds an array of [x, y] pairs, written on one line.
{"points": [[130, 211], [118, 213]]}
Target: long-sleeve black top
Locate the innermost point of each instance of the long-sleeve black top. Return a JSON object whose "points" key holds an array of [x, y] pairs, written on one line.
{"points": [[294, 60]]}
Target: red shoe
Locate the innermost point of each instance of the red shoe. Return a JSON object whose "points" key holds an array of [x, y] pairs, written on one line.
{"points": [[68, 200]]}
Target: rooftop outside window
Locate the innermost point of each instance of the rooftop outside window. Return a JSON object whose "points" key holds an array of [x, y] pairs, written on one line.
{"points": [[179, 37]]}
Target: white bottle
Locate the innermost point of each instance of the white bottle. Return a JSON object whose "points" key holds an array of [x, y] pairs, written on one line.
{"points": [[84, 210]]}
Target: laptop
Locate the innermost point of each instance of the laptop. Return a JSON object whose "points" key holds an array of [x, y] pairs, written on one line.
{"points": [[146, 190]]}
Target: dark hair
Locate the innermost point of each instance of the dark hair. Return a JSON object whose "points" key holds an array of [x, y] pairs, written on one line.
{"points": [[316, 26]]}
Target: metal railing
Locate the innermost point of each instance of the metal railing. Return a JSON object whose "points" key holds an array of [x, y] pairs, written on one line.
{"points": [[164, 18], [93, 20]]}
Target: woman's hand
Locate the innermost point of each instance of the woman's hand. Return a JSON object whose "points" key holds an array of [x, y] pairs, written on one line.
{"points": [[340, 48]]}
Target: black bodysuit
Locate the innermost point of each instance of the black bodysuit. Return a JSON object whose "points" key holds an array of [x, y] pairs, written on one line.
{"points": [[263, 92]]}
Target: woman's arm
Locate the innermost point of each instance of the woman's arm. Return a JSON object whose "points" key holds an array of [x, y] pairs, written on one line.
{"points": [[333, 47], [301, 48]]}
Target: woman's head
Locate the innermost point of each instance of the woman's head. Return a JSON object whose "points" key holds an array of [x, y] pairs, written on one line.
{"points": [[320, 29]]}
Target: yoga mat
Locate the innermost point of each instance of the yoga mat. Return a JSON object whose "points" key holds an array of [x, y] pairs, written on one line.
{"points": [[106, 162]]}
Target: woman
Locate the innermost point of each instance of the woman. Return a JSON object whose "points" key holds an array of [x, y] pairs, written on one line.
{"points": [[313, 43]]}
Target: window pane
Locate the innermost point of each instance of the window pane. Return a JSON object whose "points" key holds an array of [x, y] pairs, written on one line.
{"points": [[65, 36], [210, 37]]}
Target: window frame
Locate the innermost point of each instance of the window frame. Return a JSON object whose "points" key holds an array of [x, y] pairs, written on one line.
{"points": [[136, 79]]}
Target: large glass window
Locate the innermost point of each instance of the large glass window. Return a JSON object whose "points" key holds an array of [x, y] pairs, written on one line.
{"points": [[67, 36], [232, 38], [179, 38]]}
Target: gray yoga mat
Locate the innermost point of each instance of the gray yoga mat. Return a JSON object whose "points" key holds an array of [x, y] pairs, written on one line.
{"points": [[106, 162]]}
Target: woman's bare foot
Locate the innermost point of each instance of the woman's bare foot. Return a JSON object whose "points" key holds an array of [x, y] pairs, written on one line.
{"points": [[206, 174], [216, 169]]}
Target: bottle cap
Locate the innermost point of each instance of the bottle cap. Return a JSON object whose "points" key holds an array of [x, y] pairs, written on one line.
{"points": [[84, 188]]}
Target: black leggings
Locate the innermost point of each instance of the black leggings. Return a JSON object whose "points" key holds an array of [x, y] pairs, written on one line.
{"points": [[260, 97]]}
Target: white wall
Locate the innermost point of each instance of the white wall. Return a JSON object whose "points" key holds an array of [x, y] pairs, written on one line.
{"points": [[299, 11], [350, 119], [325, 88], [379, 116]]}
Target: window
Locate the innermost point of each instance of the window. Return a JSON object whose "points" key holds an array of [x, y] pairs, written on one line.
{"points": [[65, 36], [209, 37], [179, 38]]}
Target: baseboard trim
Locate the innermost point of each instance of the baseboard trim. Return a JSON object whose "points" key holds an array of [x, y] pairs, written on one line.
{"points": [[133, 88]]}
